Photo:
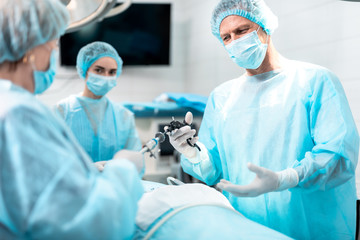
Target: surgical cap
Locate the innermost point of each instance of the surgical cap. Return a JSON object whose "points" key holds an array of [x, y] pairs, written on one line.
{"points": [[26, 24], [94, 51], [254, 10]]}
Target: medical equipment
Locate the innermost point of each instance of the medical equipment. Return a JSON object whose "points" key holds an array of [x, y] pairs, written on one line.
{"points": [[150, 145], [177, 125], [174, 181], [152, 117], [160, 136], [84, 12]]}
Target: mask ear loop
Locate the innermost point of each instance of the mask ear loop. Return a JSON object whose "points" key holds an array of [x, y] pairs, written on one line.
{"points": [[267, 38], [267, 35]]}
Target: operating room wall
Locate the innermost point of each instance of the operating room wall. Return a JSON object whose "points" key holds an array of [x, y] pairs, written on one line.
{"points": [[324, 32]]}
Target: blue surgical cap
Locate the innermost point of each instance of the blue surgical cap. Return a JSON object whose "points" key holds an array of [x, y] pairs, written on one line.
{"points": [[94, 51], [26, 24], [254, 10]]}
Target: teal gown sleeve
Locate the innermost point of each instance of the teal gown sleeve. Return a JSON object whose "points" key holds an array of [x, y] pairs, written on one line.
{"points": [[50, 188], [334, 156]]}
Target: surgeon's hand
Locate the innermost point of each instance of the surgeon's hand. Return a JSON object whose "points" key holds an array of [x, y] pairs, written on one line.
{"points": [[100, 165], [178, 138], [133, 156], [264, 182]]}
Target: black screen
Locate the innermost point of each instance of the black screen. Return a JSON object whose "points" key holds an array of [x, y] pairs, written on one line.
{"points": [[141, 35]]}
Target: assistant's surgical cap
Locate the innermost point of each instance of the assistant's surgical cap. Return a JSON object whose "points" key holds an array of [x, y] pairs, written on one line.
{"points": [[26, 24], [254, 10], [94, 51]]}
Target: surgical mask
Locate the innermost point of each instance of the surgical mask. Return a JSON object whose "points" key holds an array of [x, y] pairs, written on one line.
{"points": [[100, 85], [43, 80], [248, 51]]}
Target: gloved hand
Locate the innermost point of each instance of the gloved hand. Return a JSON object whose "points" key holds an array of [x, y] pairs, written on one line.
{"points": [[100, 165], [133, 156], [265, 181], [178, 138]]}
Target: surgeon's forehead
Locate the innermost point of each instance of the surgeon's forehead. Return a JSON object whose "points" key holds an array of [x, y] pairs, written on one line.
{"points": [[232, 22], [105, 62]]}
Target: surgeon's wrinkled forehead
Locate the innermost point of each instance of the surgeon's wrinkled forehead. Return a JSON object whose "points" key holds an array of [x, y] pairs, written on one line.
{"points": [[235, 23]]}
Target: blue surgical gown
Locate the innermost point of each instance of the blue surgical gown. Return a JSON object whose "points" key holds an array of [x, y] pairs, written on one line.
{"points": [[294, 117], [102, 127], [49, 187]]}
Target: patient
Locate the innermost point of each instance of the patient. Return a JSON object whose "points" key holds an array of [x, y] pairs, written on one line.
{"points": [[193, 211]]}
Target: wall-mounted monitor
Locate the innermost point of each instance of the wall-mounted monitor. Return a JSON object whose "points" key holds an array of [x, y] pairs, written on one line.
{"points": [[141, 35]]}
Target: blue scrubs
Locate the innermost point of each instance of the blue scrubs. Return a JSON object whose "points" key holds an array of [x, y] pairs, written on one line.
{"points": [[295, 117], [49, 187], [102, 127]]}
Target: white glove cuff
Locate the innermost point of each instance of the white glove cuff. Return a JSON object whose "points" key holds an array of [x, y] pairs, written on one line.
{"points": [[288, 178], [200, 155]]}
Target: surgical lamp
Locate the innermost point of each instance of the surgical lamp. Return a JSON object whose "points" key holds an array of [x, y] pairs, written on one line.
{"points": [[84, 12]]}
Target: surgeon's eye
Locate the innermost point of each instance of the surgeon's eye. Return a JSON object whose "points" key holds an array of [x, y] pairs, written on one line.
{"points": [[242, 31], [98, 70], [112, 72], [226, 38]]}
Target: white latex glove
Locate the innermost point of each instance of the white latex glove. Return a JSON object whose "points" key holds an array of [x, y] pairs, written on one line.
{"points": [[100, 165], [178, 138], [265, 181], [133, 156]]}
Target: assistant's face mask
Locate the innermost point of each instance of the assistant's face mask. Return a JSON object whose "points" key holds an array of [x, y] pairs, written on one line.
{"points": [[248, 51], [43, 80], [100, 85]]}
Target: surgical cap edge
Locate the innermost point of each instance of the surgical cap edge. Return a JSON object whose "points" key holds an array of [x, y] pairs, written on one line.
{"points": [[237, 12]]}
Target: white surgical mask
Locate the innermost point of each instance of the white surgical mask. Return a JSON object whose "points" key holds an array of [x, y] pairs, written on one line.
{"points": [[248, 51], [100, 85]]}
